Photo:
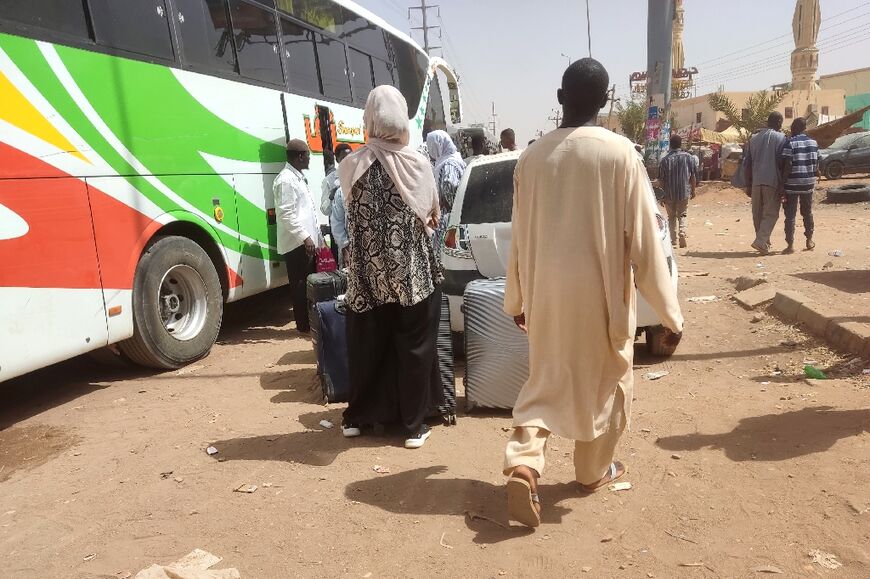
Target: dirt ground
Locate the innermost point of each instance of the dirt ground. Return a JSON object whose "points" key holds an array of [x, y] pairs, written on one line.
{"points": [[738, 465]]}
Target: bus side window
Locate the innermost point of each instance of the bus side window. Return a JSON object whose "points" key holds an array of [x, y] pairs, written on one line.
{"points": [[333, 68], [361, 69], [140, 26], [383, 72], [62, 16], [256, 36], [300, 58], [364, 35], [409, 73], [206, 36]]}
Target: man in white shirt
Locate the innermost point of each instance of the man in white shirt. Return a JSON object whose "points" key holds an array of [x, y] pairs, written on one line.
{"points": [[298, 226], [328, 189]]}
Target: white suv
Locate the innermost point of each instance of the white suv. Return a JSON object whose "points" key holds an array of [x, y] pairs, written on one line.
{"points": [[477, 242]]}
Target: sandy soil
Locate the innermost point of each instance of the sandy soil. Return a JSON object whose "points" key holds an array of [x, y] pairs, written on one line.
{"points": [[737, 463]]}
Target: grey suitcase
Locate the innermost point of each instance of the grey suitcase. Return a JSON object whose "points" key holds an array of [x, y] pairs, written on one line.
{"points": [[496, 350]]}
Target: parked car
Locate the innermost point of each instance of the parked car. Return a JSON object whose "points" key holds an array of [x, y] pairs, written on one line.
{"points": [[848, 154], [477, 242]]}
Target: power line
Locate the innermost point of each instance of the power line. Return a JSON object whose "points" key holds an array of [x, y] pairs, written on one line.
{"points": [[473, 97], [858, 31], [424, 11], [860, 27], [763, 65], [786, 35], [784, 61]]}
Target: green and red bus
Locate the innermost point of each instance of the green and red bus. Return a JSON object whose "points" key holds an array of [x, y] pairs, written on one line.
{"points": [[138, 144]]}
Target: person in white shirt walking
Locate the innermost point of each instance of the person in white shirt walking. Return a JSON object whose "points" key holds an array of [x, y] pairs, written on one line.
{"points": [[298, 227]]}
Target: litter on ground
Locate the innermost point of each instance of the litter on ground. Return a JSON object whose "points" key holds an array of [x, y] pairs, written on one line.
{"points": [[826, 560], [704, 299]]}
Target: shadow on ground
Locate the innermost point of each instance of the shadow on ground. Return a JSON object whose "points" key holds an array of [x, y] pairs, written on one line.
{"points": [[316, 446], [258, 319], [775, 437], [56, 385], [850, 281], [483, 505], [722, 254]]}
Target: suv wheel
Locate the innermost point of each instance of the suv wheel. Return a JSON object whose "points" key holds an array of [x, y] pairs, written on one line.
{"points": [[835, 170]]}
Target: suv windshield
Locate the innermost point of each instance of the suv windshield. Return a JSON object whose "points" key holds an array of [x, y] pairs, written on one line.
{"points": [[489, 195]]}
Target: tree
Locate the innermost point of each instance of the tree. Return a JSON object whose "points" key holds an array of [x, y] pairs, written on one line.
{"points": [[753, 117], [632, 120]]}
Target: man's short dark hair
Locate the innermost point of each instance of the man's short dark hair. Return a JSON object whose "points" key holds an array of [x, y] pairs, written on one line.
{"points": [[774, 120], [798, 126], [509, 133], [343, 148], [676, 142], [585, 86]]}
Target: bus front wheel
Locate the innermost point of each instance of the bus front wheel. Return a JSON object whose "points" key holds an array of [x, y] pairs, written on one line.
{"points": [[177, 305]]}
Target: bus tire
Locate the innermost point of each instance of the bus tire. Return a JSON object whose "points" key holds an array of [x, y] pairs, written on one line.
{"points": [[177, 305]]}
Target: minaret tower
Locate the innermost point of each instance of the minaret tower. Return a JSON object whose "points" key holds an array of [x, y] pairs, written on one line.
{"points": [[805, 58]]}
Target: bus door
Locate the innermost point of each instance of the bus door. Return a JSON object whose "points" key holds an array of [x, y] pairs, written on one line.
{"points": [[327, 134], [51, 297]]}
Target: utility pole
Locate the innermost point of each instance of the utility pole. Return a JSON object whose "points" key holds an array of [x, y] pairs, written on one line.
{"points": [[556, 118], [424, 11], [493, 125], [612, 100], [660, 26]]}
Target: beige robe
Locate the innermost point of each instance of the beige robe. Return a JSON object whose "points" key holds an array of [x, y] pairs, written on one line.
{"points": [[583, 214]]}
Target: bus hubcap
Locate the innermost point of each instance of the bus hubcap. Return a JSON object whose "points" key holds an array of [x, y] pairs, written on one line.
{"points": [[183, 302]]}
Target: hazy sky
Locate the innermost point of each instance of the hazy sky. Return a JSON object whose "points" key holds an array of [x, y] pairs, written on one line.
{"points": [[509, 51]]}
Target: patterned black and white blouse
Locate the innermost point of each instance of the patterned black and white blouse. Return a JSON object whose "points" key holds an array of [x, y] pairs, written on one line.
{"points": [[391, 255]]}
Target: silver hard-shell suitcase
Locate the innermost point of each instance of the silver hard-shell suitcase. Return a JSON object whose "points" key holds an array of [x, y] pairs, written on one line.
{"points": [[496, 350]]}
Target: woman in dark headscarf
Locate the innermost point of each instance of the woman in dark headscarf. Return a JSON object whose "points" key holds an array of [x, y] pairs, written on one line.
{"points": [[393, 294]]}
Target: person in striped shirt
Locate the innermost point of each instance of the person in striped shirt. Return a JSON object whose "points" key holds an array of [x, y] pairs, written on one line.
{"points": [[800, 170], [678, 177]]}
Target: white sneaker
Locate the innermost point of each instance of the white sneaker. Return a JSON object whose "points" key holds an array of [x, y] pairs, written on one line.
{"points": [[350, 430], [419, 439]]}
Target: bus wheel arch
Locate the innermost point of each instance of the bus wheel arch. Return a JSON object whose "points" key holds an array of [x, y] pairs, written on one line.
{"points": [[179, 289]]}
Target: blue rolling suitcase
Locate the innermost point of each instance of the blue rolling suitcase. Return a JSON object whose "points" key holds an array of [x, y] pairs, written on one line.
{"points": [[330, 343]]}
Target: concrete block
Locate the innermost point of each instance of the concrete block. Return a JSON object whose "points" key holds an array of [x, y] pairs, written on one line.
{"points": [[816, 318], [751, 299], [787, 303], [747, 282], [857, 336]]}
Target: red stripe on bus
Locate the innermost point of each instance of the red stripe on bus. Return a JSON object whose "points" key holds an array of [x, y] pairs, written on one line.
{"points": [[60, 248]]}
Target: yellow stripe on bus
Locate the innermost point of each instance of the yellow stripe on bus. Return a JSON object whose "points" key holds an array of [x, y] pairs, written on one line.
{"points": [[18, 111]]}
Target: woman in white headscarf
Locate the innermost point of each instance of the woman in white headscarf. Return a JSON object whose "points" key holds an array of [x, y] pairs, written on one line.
{"points": [[449, 168], [393, 293]]}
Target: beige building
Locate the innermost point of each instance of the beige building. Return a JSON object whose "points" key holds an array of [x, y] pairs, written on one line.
{"points": [[856, 84], [853, 82], [827, 104]]}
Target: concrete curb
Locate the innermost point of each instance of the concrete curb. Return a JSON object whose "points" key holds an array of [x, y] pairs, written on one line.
{"points": [[823, 322]]}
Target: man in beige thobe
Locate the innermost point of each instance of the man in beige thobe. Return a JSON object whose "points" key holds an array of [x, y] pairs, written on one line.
{"points": [[584, 233]]}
